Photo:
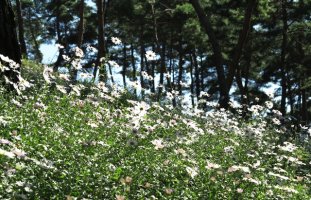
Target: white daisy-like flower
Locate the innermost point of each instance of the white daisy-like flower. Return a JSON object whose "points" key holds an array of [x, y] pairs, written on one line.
{"points": [[150, 55], [192, 171], [269, 104], [90, 48], [158, 143], [61, 89], [59, 46], [78, 52], [113, 63], [276, 121], [64, 77], [115, 40], [66, 58]]}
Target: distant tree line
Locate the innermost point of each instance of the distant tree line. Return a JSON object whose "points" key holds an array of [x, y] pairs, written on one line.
{"points": [[229, 49]]}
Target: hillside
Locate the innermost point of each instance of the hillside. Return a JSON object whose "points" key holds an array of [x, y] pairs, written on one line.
{"points": [[99, 142]]}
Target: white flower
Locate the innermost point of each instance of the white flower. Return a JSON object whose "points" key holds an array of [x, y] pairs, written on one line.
{"points": [[236, 168], [289, 147], [276, 121], [150, 55], [59, 46], [17, 103], [269, 104], [90, 48], [76, 64], [170, 96], [192, 171], [78, 52], [19, 153], [102, 59], [212, 165], [270, 94], [167, 75], [5, 59], [113, 63], [287, 189], [239, 190], [23, 83], [7, 153], [144, 74], [64, 77], [257, 164], [115, 40], [61, 89], [135, 84], [66, 58], [204, 94], [158, 143]]}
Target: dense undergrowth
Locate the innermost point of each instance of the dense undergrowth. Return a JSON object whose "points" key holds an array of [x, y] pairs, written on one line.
{"points": [[96, 143]]}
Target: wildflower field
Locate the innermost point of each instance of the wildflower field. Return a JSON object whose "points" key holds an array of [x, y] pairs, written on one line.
{"points": [[96, 141]]}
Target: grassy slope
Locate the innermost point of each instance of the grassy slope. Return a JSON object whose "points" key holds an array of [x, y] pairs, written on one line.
{"points": [[96, 148]]}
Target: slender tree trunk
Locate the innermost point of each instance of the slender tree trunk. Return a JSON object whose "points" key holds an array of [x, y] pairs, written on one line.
{"points": [[248, 58], [241, 41], [283, 55], [304, 109], [134, 78], [196, 74], [162, 70], [142, 68], [180, 66], [59, 41], [218, 59], [8, 38], [201, 70], [101, 8], [148, 86], [152, 82], [81, 24], [225, 84], [80, 33], [124, 65], [21, 29], [110, 72], [38, 54], [299, 103], [191, 79], [290, 95]]}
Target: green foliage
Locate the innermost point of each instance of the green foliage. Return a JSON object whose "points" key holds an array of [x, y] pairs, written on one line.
{"points": [[102, 145]]}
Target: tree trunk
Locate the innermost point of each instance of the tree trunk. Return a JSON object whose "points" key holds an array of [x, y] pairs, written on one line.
{"points": [[152, 82], [134, 78], [81, 24], [162, 70], [21, 29], [191, 79], [304, 109], [180, 66], [59, 41], [124, 65], [142, 55], [80, 32], [290, 95], [38, 54], [283, 55], [218, 59], [196, 74], [8, 37], [241, 41], [101, 9], [205, 23]]}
